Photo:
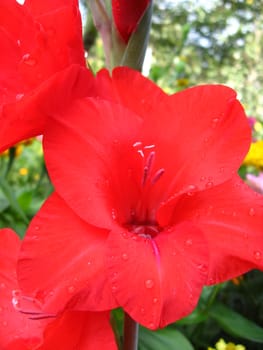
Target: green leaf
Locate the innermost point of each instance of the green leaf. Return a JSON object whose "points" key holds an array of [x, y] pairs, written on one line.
{"points": [[164, 339], [24, 200], [235, 324], [7, 191]]}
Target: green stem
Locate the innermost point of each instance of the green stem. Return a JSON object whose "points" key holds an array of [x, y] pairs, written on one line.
{"points": [[130, 333]]}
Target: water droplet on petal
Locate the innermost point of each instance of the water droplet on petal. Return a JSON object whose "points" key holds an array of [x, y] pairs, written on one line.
{"points": [[71, 289], [113, 214], [257, 255], [28, 60], [142, 310], [188, 242], [202, 178], [202, 267], [251, 212], [149, 284], [114, 289], [18, 43], [155, 300], [89, 263], [191, 190], [36, 228], [151, 326], [4, 323], [2, 285], [19, 97], [209, 184], [215, 122], [124, 256]]}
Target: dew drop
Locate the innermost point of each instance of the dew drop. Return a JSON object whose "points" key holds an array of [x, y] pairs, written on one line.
{"points": [[209, 184], [114, 289], [113, 214], [251, 212], [215, 122], [155, 300], [4, 323], [151, 326], [188, 242], [71, 289], [257, 255], [149, 284], [142, 310], [124, 256], [18, 43], [89, 263], [28, 60], [2, 285], [174, 253], [37, 228], [202, 267], [19, 97], [115, 275], [202, 178], [191, 190], [125, 235], [1, 309]]}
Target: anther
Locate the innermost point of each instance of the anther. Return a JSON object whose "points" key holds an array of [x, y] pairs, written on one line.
{"points": [[148, 167]]}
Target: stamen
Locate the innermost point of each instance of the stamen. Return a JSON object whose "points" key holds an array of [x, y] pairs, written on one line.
{"points": [[157, 175], [148, 167]]}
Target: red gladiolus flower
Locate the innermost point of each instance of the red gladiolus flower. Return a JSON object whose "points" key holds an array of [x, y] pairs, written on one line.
{"points": [[127, 15], [37, 40], [148, 208], [29, 329]]}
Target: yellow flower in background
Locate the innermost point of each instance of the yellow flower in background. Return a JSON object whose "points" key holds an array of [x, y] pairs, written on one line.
{"points": [[237, 280], [182, 82], [222, 345], [255, 154], [23, 171]]}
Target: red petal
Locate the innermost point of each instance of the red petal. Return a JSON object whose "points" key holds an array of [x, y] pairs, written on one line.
{"points": [[78, 253], [80, 330], [138, 97], [37, 8], [94, 141], [231, 217], [34, 52], [201, 138], [27, 117], [158, 281], [127, 15], [16, 330]]}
